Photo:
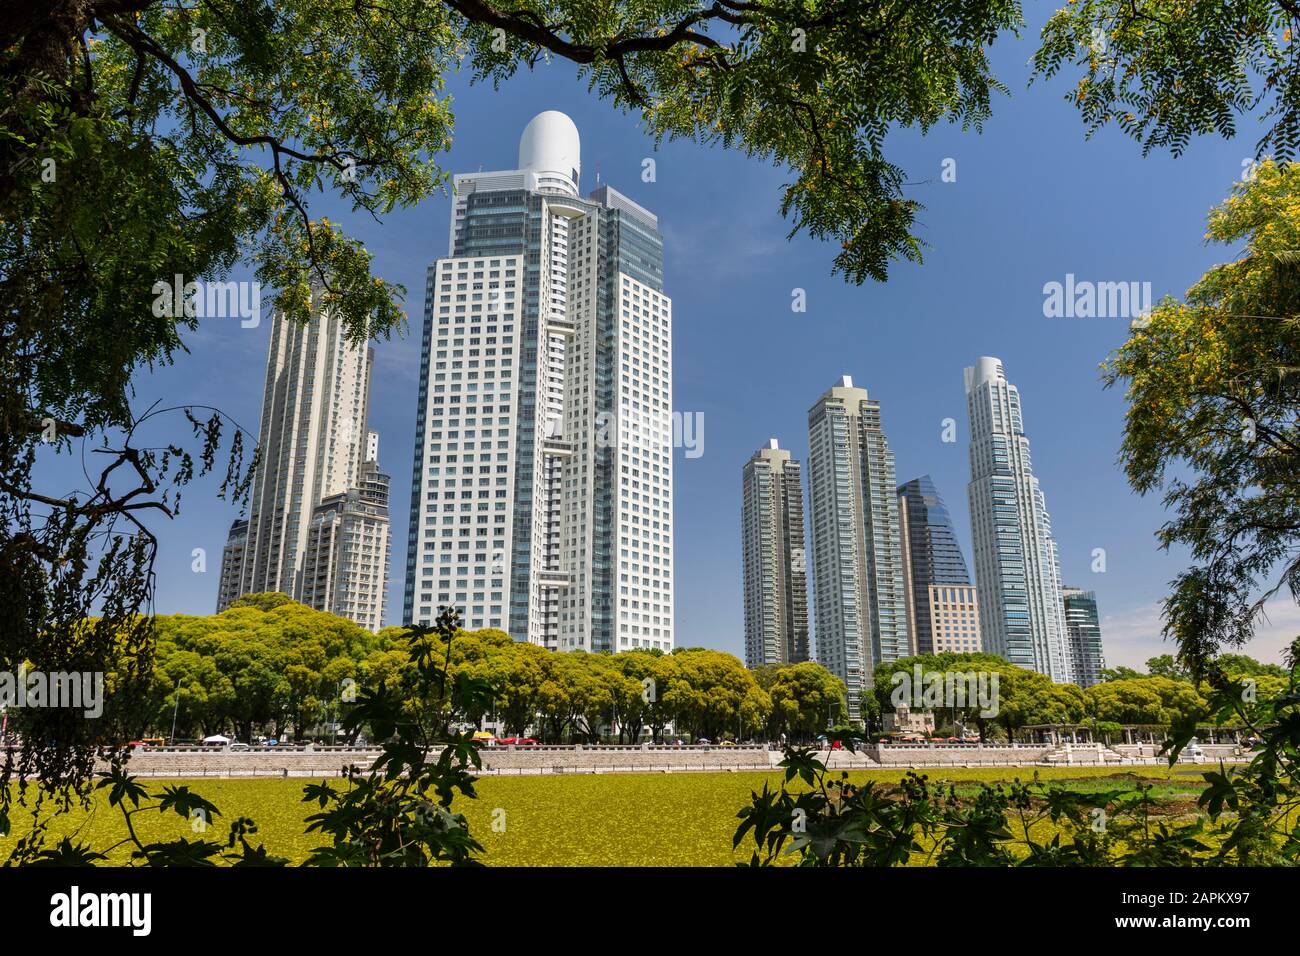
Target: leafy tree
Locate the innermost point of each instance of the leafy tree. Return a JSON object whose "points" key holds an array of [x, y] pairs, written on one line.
{"points": [[1241, 665], [951, 662], [1212, 420], [658, 712], [636, 692], [1160, 701], [263, 600], [804, 697], [141, 140], [587, 679], [1121, 673], [518, 680], [713, 695], [1166, 665], [1165, 72]]}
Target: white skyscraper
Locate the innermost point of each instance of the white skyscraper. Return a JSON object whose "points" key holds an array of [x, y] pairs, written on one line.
{"points": [[542, 482], [858, 575], [1017, 573], [313, 443]]}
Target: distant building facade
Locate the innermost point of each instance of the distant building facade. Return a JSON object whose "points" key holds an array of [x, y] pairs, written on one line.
{"points": [[1017, 570], [346, 566], [859, 591], [313, 448], [943, 611], [1083, 625], [774, 561]]}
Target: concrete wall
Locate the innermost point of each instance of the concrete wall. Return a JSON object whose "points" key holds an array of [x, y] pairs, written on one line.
{"points": [[496, 760], [894, 756]]}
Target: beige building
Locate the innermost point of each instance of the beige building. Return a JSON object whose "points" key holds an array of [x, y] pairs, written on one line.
{"points": [[313, 444], [345, 570], [954, 618]]}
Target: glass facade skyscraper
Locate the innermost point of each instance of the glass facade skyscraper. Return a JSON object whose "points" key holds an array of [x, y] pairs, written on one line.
{"points": [[1017, 572], [933, 558], [1084, 629]]}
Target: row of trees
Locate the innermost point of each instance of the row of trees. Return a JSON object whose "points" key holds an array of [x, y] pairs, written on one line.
{"points": [[1164, 697], [272, 665]]}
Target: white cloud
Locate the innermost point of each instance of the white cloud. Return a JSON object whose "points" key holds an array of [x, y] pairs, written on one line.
{"points": [[1132, 637]]}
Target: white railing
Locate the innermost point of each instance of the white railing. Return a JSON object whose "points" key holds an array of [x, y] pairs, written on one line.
{"points": [[374, 748]]}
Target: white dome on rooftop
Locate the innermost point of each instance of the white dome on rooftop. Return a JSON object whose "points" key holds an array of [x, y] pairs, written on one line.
{"points": [[551, 148]]}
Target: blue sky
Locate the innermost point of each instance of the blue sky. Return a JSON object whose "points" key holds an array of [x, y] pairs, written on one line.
{"points": [[1032, 201]]}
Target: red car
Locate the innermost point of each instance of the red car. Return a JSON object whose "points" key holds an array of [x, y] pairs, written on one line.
{"points": [[518, 741]]}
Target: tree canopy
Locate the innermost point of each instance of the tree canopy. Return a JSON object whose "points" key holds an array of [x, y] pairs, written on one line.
{"points": [[1214, 399], [271, 665]]}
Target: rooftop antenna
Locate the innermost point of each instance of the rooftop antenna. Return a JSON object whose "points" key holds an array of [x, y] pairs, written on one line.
{"points": [[597, 173]]}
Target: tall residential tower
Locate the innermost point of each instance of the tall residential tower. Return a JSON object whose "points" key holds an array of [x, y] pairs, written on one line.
{"points": [[858, 584], [1017, 572], [541, 497], [772, 545], [315, 450]]}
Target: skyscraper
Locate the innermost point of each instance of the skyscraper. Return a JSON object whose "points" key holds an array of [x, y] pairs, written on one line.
{"points": [[1084, 630], [345, 569], [943, 611], [313, 444], [1017, 573], [858, 585], [772, 544], [541, 496]]}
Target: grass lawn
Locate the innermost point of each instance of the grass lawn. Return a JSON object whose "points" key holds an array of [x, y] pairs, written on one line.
{"points": [[679, 819]]}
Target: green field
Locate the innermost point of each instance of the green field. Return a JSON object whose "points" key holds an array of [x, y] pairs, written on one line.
{"points": [[679, 819]]}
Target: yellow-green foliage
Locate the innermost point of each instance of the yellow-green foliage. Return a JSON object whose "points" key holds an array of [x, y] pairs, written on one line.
{"points": [[679, 819]]}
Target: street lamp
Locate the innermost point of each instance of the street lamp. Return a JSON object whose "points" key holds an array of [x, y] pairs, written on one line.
{"points": [[172, 739]]}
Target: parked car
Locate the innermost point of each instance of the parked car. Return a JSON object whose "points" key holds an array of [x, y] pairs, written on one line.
{"points": [[516, 741], [238, 746]]}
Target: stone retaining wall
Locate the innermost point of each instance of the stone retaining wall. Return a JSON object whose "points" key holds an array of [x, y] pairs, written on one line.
{"points": [[956, 756], [496, 760], [506, 761]]}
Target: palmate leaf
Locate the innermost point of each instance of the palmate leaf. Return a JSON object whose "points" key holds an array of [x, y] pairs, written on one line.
{"points": [[121, 786], [180, 852], [184, 802], [66, 853], [1219, 794]]}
